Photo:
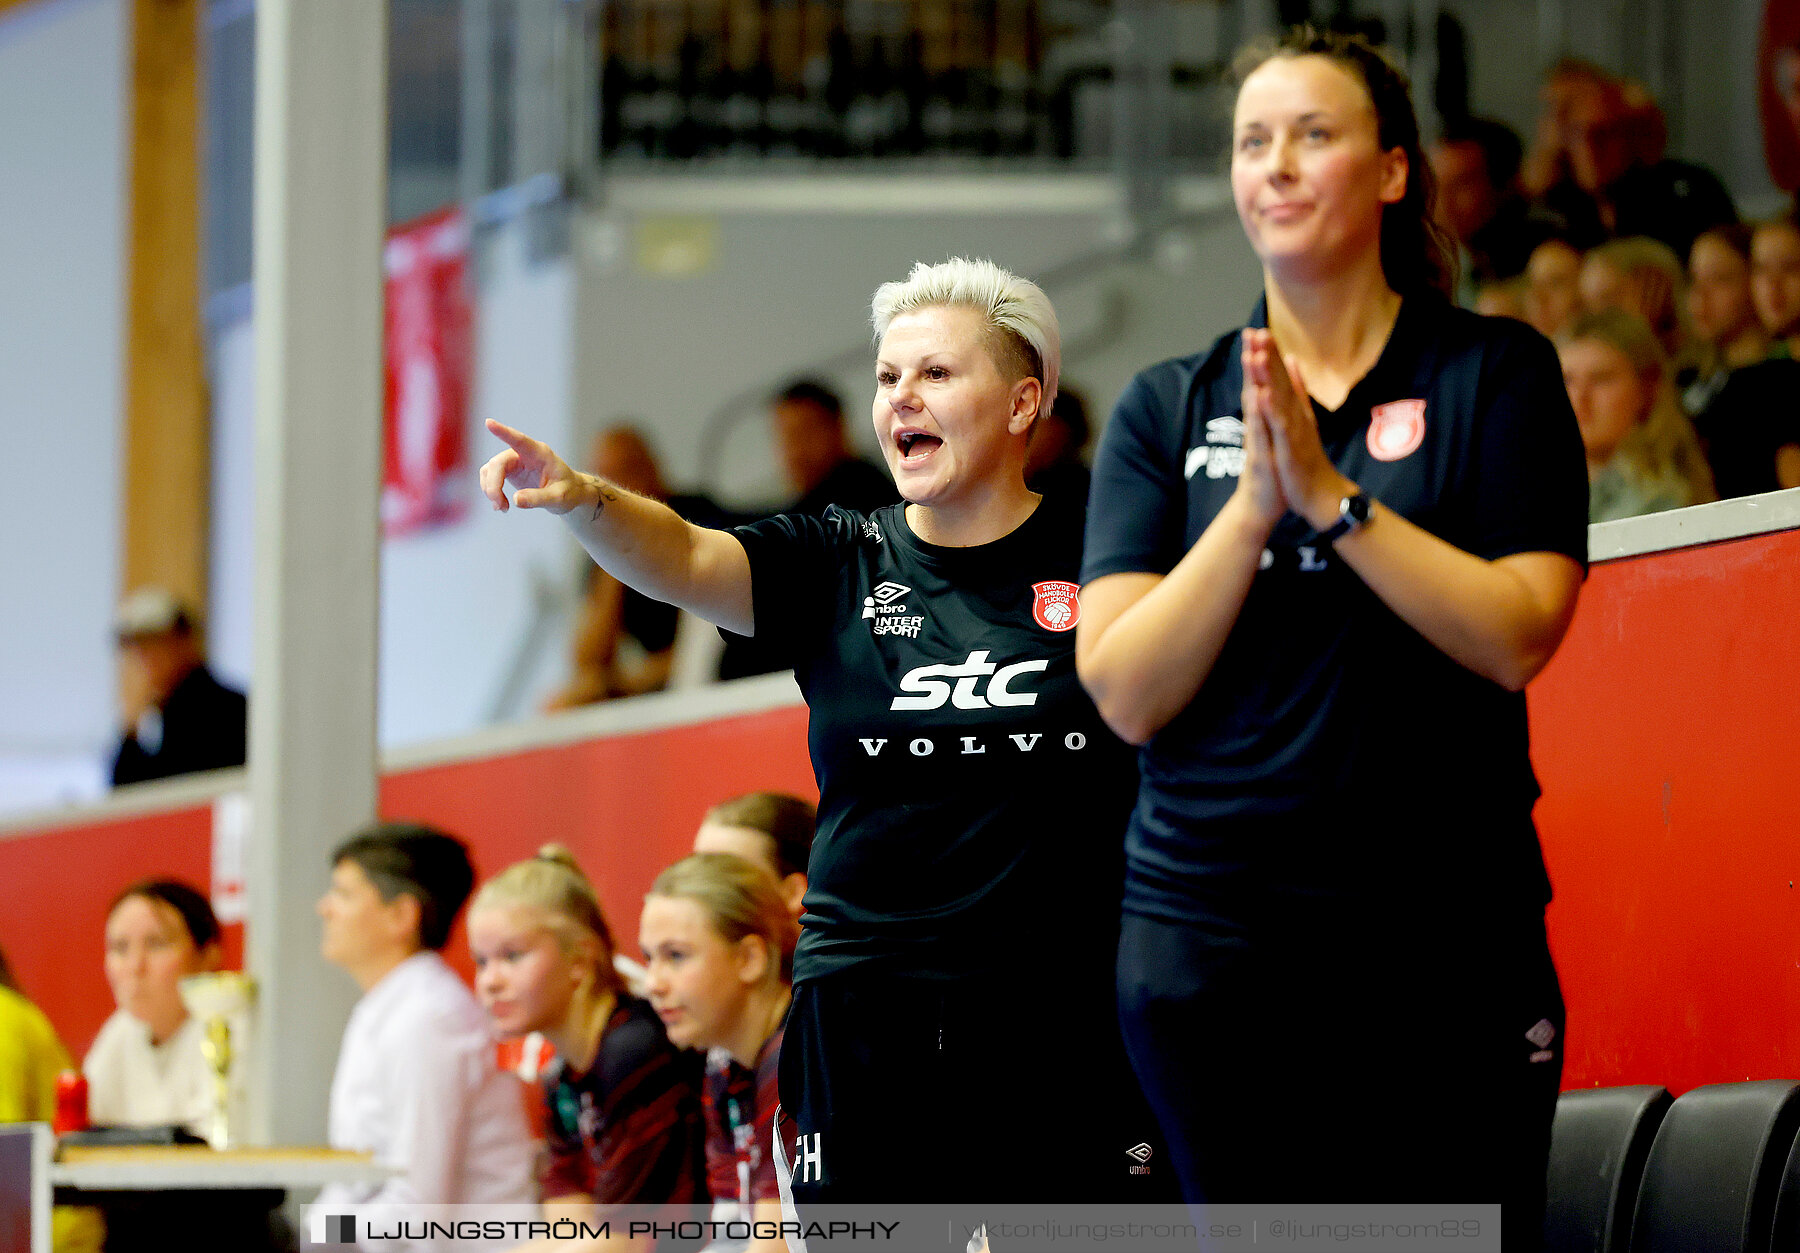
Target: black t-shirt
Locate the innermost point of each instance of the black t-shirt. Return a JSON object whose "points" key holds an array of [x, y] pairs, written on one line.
{"points": [[1332, 752], [852, 484], [969, 794], [1749, 419]]}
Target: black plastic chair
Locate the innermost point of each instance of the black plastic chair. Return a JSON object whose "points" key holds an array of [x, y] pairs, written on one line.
{"points": [[1787, 1205], [1716, 1169], [1598, 1146]]}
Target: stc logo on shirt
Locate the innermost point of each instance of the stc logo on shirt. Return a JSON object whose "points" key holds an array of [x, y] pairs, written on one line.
{"points": [[934, 686]]}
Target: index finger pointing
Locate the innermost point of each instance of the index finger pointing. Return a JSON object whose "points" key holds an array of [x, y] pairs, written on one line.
{"points": [[509, 434]]}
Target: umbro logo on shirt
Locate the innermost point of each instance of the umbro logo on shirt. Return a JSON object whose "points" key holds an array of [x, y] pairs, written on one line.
{"points": [[882, 607], [1222, 455]]}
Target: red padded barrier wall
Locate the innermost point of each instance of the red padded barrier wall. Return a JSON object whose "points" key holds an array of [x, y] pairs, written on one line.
{"points": [[1667, 738], [625, 805]]}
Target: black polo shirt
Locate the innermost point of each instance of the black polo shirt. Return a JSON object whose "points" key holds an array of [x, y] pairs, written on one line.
{"points": [[1332, 752], [969, 795]]}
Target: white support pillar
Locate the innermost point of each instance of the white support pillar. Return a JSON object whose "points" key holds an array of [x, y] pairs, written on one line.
{"points": [[320, 219]]}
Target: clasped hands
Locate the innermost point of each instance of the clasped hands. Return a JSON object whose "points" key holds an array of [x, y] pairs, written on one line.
{"points": [[1285, 466]]}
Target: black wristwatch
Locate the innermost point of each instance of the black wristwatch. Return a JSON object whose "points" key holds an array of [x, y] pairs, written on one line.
{"points": [[1353, 512]]}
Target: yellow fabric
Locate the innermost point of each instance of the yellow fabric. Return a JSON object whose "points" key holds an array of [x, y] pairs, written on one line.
{"points": [[30, 1059]]}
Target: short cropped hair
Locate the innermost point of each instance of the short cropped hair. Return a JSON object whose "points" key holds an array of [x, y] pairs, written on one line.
{"points": [[787, 820], [188, 902], [426, 864], [1023, 334], [808, 391]]}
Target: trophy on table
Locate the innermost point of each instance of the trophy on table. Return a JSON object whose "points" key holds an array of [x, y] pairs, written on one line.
{"points": [[219, 1000]]}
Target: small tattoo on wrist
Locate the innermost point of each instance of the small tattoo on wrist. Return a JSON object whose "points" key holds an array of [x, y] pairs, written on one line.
{"points": [[601, 498]]}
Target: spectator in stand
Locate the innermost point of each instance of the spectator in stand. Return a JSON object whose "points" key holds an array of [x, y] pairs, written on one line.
{"points": [[769, 829], [147, 1067], [1642, 453], [624, 642], [1476, 161], [821, 471], [178, 717], [816, 456], [1749, 424], [1727, 334], [1642, 276], [718, 945], [1775, 283], [1618, 181], [1552, 287], [1751, 429], [1547, 165], [1054, 465], [416, 1083]]}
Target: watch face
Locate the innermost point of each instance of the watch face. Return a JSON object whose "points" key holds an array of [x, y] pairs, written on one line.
{"points": [[1356, 508]]}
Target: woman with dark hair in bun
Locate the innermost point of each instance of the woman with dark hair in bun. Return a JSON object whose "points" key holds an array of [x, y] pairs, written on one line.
{"points": [[1323, 559], [146, 1067]]}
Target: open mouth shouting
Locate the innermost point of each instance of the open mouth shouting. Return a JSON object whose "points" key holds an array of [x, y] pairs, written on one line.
{"points": [[915, 446]]}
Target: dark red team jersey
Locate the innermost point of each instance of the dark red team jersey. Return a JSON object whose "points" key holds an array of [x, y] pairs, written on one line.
{"points": [[629, 1129], [740, 1125]]}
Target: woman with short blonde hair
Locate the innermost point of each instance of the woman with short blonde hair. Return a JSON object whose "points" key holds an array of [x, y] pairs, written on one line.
{"points": [[964, 776]]}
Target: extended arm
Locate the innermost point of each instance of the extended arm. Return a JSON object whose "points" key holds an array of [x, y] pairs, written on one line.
{"points": [[639, 541]]}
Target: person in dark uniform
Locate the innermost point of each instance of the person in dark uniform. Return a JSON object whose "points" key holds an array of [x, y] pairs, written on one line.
{"points": [[1323, 559], [179, 718], [967, 786]]}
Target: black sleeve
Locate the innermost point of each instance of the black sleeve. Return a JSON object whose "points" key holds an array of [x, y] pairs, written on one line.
{"points": [[796, 567], [128, 762], [1137, 508], [1528, 477]]}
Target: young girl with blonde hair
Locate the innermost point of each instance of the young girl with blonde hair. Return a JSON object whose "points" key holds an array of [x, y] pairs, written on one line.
{"points": [[623, 1102], [718, 943]]}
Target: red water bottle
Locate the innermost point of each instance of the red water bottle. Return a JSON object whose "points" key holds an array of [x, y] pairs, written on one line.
{"points": [[71, 1102]]}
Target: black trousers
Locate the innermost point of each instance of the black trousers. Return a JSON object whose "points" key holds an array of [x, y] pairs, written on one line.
{"points": [[1350, 1059], [993, 1089]]}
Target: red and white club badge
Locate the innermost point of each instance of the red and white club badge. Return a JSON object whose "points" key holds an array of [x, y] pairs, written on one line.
{"points": [[1396, 429], [1057, 605]]}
